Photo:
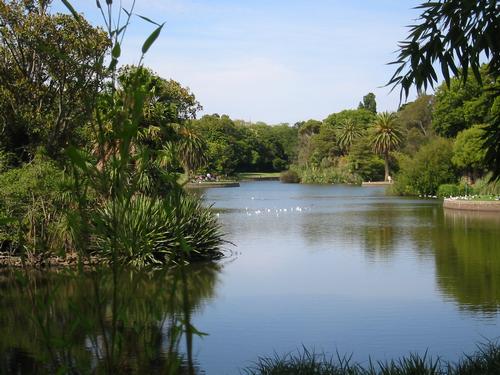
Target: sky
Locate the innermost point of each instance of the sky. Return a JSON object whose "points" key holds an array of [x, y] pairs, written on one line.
{"points": [[274, 61]]}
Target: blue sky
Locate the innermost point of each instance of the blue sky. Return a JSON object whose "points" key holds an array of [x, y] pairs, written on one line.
{"points": [[273, 61]]}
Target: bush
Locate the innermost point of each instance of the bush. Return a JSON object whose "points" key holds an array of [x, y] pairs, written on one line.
{"points": [[33, 196], [331, 175], [430, 167], [452, 190], [487, 186], [156, 230], [289, 177]]}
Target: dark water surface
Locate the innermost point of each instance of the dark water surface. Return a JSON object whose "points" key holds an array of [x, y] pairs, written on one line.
{"points": [[335, 268]]}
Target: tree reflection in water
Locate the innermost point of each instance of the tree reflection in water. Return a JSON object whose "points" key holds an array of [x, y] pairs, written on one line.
{"points": [[468, 260], [100, 322]]}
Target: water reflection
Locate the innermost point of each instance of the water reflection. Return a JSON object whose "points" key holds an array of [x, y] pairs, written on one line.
{"points": [[468, 260], [102, 322]]}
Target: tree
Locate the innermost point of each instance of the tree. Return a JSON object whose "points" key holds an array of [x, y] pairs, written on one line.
{"points": [[462, 104], [430, 167], [348, 132], [164, 127], [50, 74], [417, 114], [369, 103], [363, 161], [416, 121], [362, 117], [307, 129], [469, 152], [324, 147], [386, 137], [454, 34]]}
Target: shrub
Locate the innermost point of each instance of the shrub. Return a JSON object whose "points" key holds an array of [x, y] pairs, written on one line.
{"points": [[156, 230], [332, 175], [487, 186], [452, 190], [33, 196], [290, 177], [430, 167]]}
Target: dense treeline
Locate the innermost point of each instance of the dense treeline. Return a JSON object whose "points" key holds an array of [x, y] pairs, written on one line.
{"points": [[435, 140], [237, 146]]}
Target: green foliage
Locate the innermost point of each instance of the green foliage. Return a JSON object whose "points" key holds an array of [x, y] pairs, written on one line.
{"points": [[130, 209], [369, 103], [307, 129], [487, 185], [50, 74], [362, 117], [440, 36], [415, 119], [457, 37], [237, 146], [485, 361], [336, 174], [153, 230], [325, 147], [468, 150], [429, 168], [289, 177], [33, 195], [462, 105], [452, 190], [348, 131], [362, 160], [386, 136]]}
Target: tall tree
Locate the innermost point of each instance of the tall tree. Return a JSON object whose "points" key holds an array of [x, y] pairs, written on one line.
{"points": [[386, 137], [369, 103], [50, 73]]}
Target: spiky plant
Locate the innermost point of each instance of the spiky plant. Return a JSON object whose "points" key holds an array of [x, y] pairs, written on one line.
{"points": [[387, 137], [348, 131]]}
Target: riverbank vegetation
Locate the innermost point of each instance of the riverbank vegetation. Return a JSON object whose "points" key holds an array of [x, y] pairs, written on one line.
{"points": [[91, 153], [88, 146], [485, 361]]}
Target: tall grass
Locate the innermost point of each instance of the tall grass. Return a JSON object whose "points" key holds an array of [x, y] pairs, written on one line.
{"points": [[486, 361]]}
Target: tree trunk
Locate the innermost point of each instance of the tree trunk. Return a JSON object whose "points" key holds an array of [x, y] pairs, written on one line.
{"points": [[386, 167]]}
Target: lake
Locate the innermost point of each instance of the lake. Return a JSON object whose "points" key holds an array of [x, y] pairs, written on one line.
{"points": [[333, 268]]}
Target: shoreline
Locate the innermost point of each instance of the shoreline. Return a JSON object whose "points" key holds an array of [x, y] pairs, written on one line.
{"points": [[200, 185], [470, 205]]}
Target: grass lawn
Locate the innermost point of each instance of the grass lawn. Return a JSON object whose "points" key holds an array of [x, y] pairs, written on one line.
{"points": [[257, 175]]}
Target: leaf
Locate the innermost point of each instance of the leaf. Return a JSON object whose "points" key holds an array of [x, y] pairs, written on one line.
{"points": [[151, 39], [75, 157], [148, 20], [115, 53], [6, 220], [71, 9]]}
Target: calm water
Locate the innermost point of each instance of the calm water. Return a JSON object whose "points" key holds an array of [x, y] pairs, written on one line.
{"points": [[336, 268]]}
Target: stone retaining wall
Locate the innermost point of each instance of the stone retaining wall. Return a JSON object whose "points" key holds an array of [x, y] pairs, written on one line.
{"points": [[461, 204]]}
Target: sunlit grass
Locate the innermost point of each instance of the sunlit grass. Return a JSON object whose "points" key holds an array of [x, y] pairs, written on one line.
{"points": [[486, 361]]}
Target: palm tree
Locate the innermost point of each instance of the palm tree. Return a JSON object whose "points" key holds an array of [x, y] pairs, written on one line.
{"points": [[387, 137], [348, 131], [186, 148]]}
